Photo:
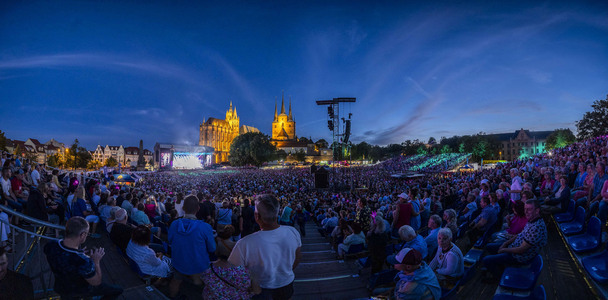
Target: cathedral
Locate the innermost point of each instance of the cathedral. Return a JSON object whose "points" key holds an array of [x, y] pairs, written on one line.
{"points": [[219, 133], [284, 130]]}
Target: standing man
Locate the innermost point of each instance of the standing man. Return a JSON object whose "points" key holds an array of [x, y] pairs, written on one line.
{"points": [[191, 242], [272, 253], [78, 272]]}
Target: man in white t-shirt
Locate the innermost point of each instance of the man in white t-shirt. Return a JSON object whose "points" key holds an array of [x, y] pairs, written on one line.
{"points": [[270, 254]]}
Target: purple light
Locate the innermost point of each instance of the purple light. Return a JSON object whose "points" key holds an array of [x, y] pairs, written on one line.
{"points": [[75, 182]]}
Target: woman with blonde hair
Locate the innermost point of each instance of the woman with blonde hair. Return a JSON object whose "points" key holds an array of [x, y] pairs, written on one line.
{"points": [[82, 208]]}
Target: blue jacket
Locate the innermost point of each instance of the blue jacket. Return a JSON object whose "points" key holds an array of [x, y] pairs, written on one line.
{"points": [[428, 285], [191, 242]]}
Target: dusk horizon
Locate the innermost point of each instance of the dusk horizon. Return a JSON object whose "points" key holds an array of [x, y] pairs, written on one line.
{"points": [[112, 74]]}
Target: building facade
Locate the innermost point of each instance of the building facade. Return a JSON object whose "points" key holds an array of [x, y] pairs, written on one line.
{"points": [[284, 130], [521, 144], [219, 134]]}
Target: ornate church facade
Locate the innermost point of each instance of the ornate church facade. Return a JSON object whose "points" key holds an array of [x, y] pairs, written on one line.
{"points": [[284, 130], [219, 134]]}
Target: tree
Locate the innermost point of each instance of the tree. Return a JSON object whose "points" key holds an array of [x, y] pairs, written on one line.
{"points": [[3, 141], [461, 148], [94, 165], [141, 161], [432, 141], [559, 138], [594, 123], [300, 155], [281, 154], [151, 162], [304, 139], [446, 149], [322, 143], [421, 150], [54, 161], [77, 156], [252, 148], [111, 162]]}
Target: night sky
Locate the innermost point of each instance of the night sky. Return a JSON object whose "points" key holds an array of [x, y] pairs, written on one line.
{"points": [[115, 72]]}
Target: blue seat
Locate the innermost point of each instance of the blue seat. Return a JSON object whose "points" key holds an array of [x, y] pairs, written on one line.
{"points": [[364, 262], [567, 216], [597, 266], [481, 242], [577, 225], [468, 274], [522, 278], [145, 277], [538, 294], [384, 277], [589, 240], [473, 256]]}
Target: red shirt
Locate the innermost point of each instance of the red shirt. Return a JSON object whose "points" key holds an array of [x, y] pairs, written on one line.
{"points": [[405, 214], [16, 184]]}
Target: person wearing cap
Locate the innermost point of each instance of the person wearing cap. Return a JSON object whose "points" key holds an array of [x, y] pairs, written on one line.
{"points": [[411, 240], [416, 279], [403, 213]]}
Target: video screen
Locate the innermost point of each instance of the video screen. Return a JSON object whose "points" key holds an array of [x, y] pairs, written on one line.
{"points": [[165, 159], [188, 160]]}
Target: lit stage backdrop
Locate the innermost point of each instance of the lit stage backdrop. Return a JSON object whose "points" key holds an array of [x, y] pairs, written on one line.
{"points": [[171, 156]]}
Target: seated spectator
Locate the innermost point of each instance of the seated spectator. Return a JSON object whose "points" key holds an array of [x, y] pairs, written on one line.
{"points": [[514, 223], [81, 208], [78, 274], [223, 280], [469, 209], [224, 240], [104, 211], [449, 216], [448, 263], [378, 238], [149, 262], [354, 237], [559, 201], [520, 249], [12, 284], [139, 217], [416, 279], [434, 225], [484, 221], [5, 229], [411, 240], [121, 230]]}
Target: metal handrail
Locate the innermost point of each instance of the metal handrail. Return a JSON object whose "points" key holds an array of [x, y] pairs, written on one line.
{"points": [[39, 222]]}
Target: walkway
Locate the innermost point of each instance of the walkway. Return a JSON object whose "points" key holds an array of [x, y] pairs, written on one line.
{"points": [[321, 276]]}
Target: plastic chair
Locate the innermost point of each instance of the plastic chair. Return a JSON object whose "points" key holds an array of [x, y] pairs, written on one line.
{"points": [[590, 240], [522, 278], [381, 278], [568, 216], [473, 256], [539, 293], [597, 266], [577, 225]]}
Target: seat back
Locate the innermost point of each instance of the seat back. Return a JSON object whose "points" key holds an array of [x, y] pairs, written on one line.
{"points": [[580, 215], [539, 293], [571, 207], [537, 267], [594, 228], [381, 278]]}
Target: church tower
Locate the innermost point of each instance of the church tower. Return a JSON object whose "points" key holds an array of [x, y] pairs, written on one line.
{"points": [[284, 125]]}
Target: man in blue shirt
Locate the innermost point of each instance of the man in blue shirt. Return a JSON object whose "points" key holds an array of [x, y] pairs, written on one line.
{"points": [[191, 242], [434, 225], [483, 222]]}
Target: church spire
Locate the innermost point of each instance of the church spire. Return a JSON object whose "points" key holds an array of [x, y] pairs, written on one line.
{"points": [[283, 103], [275, 108], [290, 116]]}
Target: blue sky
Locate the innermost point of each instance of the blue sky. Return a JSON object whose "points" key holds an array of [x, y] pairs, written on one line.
{"points": [[114, 72]]}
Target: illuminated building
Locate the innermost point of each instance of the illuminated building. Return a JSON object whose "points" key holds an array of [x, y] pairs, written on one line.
{"points": [[219, 134], [284, 130]]}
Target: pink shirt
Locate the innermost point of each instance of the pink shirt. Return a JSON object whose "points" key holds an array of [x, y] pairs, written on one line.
{"points": [[517, 224]]}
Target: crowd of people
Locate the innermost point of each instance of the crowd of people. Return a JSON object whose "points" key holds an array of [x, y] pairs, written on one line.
{"points": [[238, 232]]}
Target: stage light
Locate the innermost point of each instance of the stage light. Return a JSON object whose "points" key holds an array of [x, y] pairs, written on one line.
{"points": [[330, 125], [330, 112]]}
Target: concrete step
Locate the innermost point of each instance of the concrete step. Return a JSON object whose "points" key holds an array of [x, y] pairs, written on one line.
{"points": [[316, 247]]}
